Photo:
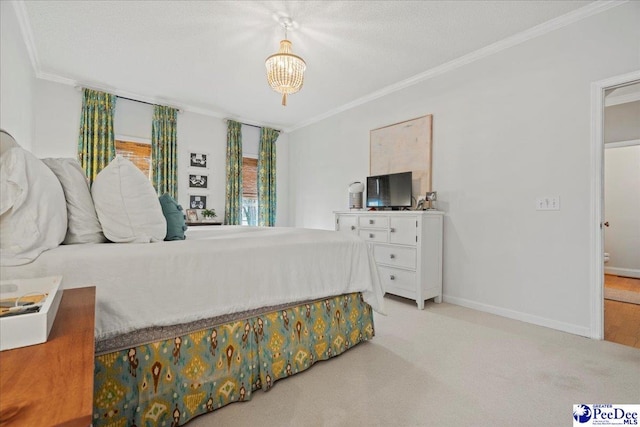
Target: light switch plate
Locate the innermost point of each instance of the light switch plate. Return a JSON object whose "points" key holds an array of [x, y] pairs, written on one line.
{"points": [[548, 203]]}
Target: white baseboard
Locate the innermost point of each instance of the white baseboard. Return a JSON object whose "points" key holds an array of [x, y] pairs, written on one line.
{"points": [[625, 272], [584, 331]]}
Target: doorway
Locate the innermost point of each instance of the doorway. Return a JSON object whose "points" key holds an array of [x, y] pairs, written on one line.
{"points": [[621, 189], [598, 92]]}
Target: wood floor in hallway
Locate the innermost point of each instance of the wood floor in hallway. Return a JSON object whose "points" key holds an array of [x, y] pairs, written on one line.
{"points": [[621, 319]]}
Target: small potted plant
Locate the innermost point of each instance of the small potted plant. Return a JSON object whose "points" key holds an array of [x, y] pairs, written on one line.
{"points": [[208, 215]]}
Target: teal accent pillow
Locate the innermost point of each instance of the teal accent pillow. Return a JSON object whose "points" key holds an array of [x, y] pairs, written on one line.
{"points": [[172, 211]]}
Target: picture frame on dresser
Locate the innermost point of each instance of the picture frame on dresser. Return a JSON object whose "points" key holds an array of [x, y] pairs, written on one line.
{"points": [[192, 215]]}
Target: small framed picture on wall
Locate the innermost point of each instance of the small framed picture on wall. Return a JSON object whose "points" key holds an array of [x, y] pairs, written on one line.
{"points": [[198, 160], [198, 181], [197, 202]]}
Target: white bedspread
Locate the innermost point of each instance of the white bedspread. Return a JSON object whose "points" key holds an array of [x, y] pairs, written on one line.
{"points": [[217, 271]]}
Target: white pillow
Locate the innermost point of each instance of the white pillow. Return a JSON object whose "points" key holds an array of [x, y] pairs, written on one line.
{"points": [[33, 213], [6, 141], [127, 205], [83, 225]]}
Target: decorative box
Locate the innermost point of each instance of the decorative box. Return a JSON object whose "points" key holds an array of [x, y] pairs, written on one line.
{"points": [[29, 328]]}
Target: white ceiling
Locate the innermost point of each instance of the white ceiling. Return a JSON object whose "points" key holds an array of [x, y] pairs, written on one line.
{"points": [[208, 56]]}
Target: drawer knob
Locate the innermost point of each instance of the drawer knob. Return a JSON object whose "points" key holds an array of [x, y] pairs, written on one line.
{"points": [[353, 227], [392, 230], [371, 235], [392, 277], [371, 221], [392, 256]]}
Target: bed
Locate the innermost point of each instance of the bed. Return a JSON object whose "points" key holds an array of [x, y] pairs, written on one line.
{"points": [[186, 327], [183, 327]]}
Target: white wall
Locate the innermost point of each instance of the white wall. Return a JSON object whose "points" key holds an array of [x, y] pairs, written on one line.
{"points": [[57, 119], [133, 119], [622, 210], [57, 122], [250, 141], [282, 181], [507, 129], [16, 79], [622, 122]]}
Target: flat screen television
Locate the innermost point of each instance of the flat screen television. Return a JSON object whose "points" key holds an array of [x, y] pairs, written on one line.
{"points": [[389, 191]]}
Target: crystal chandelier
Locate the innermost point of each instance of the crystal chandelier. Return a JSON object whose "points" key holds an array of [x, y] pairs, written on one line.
{"points": [[285, 71]]}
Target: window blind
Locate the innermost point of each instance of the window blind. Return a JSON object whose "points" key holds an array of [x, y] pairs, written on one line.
{"points": [[249, 177], [138, 153]]}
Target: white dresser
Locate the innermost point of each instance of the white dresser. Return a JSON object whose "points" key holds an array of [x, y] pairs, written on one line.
{"points": [[407, 247]]}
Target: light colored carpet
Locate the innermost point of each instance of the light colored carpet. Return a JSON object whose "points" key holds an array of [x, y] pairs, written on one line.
{"points": [[447, 366], [622, 295]]}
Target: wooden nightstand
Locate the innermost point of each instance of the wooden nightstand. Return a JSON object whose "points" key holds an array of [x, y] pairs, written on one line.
{"points": [[52, 383]]}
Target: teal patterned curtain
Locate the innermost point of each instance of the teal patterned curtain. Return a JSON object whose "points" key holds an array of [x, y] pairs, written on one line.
{"points": [[164, 150], [267, 177], [96, 146], [233, 200]]}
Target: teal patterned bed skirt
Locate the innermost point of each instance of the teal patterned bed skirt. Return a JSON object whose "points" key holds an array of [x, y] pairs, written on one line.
{"points": [[169, 382]]}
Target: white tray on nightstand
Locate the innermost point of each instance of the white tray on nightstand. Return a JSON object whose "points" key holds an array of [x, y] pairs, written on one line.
{"points": [[29, 328]]}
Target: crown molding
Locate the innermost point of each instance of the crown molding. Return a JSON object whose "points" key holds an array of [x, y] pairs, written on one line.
{"points": [[539, 30], [27, 33], [253, 123], [224, 117], [204, 111], [109, 89], [544, 28], [55, 78], [149, 99]]}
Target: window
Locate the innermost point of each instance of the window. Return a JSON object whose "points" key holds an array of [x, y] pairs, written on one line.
{"points": [[249, 191], [139, 153]]}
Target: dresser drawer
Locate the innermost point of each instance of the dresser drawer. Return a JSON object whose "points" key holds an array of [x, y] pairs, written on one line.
{"points": [[347, 224], [379, 236], [373, 221], [395, 256], [393, 277], [403, 231]]}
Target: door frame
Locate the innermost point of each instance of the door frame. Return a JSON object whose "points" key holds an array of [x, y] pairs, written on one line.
{"points": [[597, 197]]}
